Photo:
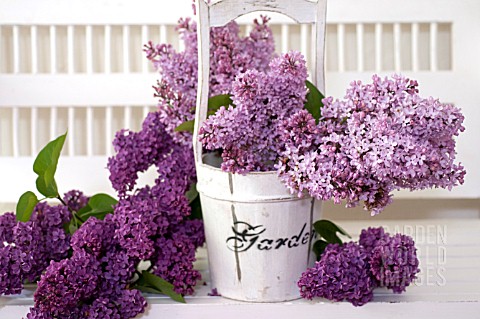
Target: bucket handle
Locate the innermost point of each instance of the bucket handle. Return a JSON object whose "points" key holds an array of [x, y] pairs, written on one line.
{"points": [[221, 12]]}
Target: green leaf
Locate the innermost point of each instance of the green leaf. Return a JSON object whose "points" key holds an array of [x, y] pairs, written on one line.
{"points": [[99, 205], [162, 285], [147, 289], [192, 193], [196, 209], [45, 166], [217, 101], [186, 126], [319, 247], [328, 231], [214, 103], [25, 206], [313, 102]]}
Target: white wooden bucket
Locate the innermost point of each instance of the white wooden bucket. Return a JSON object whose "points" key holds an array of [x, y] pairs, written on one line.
{"points": [[258, 235]]}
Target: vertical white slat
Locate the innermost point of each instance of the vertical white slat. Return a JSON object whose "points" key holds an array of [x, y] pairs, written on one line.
{"points": [[108, 130], [360, 50], [145, 36], [16, 49], [3, 63], [127, 117], [89, 131], [285, 42], [415, 32], [15, 110], [53, 49], [378, 47], [33, 130], [70, 50], [341, 47], [71, 131], [108, 48], [163, 33], [304, 40], [33, 42], [397, 47], [53, 122], [15, 132], [89, 48], [146, 110], [126, 49], [433, 46]]}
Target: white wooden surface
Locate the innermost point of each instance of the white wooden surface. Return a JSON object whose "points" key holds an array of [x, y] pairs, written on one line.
{"points": [[79, 65], [447, 287]]}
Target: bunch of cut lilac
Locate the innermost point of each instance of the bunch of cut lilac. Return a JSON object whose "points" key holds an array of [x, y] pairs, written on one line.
{"points": [[352, 271], [26, 248], [149, 224], [230, 55], [249, 134], [382, 137]]}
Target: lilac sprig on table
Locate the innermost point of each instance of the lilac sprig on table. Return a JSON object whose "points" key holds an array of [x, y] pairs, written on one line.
{"points": [[248, 135], [382, 137], [351, 271], [230, 55]]}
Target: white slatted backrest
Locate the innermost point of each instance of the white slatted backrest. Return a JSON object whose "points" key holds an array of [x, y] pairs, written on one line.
{"points": [[93, 92]]}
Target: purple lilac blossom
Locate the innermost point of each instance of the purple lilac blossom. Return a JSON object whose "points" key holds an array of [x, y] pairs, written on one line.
{"points": [[230, 55], [75, 200], [382, 137], [394, 263], [370, 237], [341, 274], [249, 134]]}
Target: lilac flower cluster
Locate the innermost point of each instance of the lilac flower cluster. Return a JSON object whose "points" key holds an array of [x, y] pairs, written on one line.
{"points": [[230, 55], [151, 222], [93, 282], [382, 137], [351, 271], [249, 134], [26, 248]]}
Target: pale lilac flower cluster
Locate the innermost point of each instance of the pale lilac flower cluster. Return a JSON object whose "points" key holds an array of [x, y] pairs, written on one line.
{"points": [[249, 135], [382, 137], [230, 55], [26, 248], [351, 271]]}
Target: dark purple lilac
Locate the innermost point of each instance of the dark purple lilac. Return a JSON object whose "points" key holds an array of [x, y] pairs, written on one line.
{"points": [[67, 284], [7, 223], [371, 237], [394, 263], [75, 200], [14, 264], [341, 274]]}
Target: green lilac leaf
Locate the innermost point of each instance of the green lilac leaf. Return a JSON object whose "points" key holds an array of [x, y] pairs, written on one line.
{"points": [[99, 206], [192, 193], [162, 285], [217, 101], [45, 166], [196, 209], [186, 126], [313, 103], [328, 231], [25, 206], [319, 247]]}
